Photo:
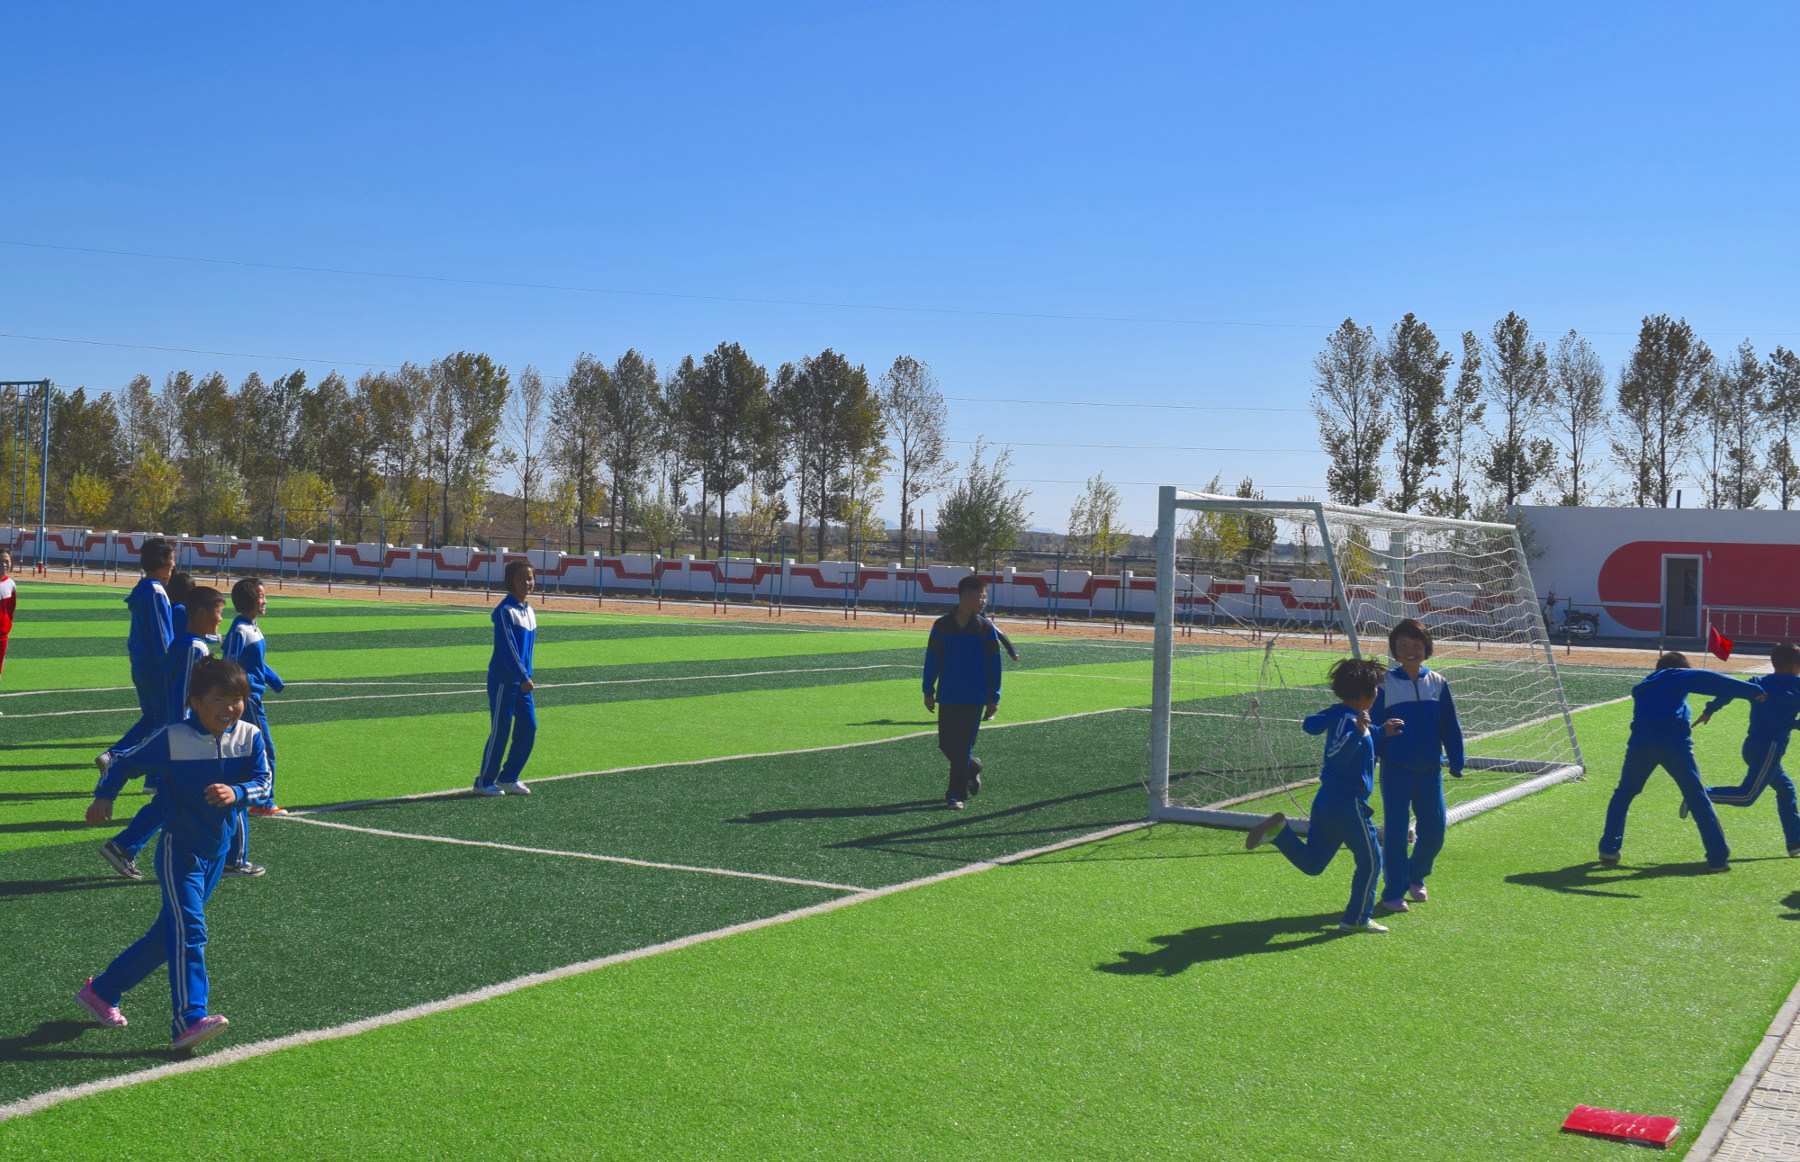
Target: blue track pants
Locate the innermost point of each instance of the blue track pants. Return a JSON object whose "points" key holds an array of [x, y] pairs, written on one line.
{"points": [[510, 712], [1406, 795], [1762, 760], [1338, 820], [153, 704], [1676, 757], [178, 938]]}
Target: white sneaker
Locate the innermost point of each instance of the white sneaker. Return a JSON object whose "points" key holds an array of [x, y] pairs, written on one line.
{"points": [[514, 788], [103, 761], [1365, 926], [1417, 894], [489, 789]]}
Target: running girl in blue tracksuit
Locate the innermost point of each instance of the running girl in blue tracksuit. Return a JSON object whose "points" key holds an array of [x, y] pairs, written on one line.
{"points": [[1771, 722], [152, 629], [203, 605], [962, 684], [1341, 816], [510, 711], [244, 644], [1416, 717], [206, 765], [1660, 737]]}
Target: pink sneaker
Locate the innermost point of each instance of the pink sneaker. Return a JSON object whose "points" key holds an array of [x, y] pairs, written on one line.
{"points": [[1416, 894], [1394, 905], [205, 1029], [108, 1015]]}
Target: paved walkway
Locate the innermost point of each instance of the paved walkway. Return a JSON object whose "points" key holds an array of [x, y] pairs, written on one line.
{"points": [[1758, 1120]]}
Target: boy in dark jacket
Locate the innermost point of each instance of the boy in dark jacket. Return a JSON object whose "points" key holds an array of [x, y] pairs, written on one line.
{"points": [[962, 683], [1771, 722], [1660, 737]]}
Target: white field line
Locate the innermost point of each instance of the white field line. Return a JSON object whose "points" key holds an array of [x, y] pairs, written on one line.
{"points": [[712, 871], [730, 758], [70, 690], [465, 691], [41, 1101]]}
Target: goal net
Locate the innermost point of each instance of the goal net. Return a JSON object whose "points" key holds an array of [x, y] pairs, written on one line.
{"points": [[1256, 598]]}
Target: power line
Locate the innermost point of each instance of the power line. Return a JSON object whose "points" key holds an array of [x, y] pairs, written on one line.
{"points": [[634, 293], [714, 298], [1130, 447], [193, 350], [1083, 403]]}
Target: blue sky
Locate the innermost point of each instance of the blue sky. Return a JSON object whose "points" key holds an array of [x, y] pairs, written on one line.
{"points": [[1126, 204]]}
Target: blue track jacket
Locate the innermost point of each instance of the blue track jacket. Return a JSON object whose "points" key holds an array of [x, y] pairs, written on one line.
{"points": [[245, 645], [187, 648], [1349, 751], [1429, 712], [152, 621], [1772, 720], [962, 662], [1659, 703], [515, 633], [186, 760]]}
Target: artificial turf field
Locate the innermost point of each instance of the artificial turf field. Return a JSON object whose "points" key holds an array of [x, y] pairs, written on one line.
{"points": [[1160, 990]]}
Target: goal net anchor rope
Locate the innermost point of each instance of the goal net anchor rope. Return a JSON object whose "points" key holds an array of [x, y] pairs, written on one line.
{"points": [[1241, 650]]}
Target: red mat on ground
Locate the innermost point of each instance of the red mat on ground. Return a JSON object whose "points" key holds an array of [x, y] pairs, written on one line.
{"points": [[1639, 1129]]}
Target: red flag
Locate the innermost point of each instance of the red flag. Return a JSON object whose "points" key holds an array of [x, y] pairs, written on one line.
{"points": [[1717, 644]]}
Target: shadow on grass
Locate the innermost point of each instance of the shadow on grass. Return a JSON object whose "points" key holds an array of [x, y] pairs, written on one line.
{"points": [[1183, 950], [960, 826], [30, 796], [47, 825], [840, 812], [1791, 902], [20, 889], [50, 746], [895, 722], [1592, 878], [45, 766], [35, 1046]]}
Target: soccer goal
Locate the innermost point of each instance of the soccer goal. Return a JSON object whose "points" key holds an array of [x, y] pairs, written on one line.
{"points": [[1256, 598]]}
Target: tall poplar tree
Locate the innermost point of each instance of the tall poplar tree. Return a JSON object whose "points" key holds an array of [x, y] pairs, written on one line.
{"points": [[1658, 388], [1518, 388], [1782, 414], [1577, 415], [1416, 369], [1350, 403], [1463, 410]]}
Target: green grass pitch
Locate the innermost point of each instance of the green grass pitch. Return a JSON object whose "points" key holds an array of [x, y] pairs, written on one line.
{"points": [[1160, 991]]}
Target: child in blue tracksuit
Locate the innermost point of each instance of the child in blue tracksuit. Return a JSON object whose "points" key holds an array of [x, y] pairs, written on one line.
{"points": [[1771, 722], [244, 644], [152, 629], [1660, 737], [1417, 730], [206, 765], [962, 683], [510, 710], [1341, 816], [203, 605]]}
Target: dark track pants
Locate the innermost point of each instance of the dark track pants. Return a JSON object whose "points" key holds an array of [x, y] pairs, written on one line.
{"points": [[1339, 820], [1762, 760], [1415, 794], [957, 727], [178, 938], [510, 712], [1677, 758]]}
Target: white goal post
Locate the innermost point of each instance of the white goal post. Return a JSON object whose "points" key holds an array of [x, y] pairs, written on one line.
{"points": [[1255, 598]]}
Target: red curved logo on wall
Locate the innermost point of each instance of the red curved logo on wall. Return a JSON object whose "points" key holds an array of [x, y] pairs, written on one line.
{"points": [[1750, 576]]}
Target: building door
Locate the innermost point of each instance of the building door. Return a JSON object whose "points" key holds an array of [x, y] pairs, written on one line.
{"points": [[1681, 597]]}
